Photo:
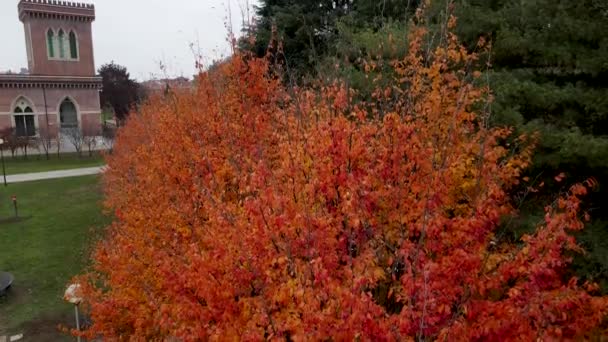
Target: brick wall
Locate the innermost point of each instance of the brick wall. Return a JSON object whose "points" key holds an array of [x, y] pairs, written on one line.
{"points": [[40, 64], [86, 101]]}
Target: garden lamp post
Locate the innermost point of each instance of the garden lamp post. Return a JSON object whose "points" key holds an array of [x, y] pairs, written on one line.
{"points": [[73, 295], [2, 157]]}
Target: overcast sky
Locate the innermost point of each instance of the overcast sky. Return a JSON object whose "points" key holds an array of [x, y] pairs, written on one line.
{"points": [[140, 34]]}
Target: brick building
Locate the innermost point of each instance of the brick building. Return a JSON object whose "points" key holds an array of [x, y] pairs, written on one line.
{"points": [[61, 91]]}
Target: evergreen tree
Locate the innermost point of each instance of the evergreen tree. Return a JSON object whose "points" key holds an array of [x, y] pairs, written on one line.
{"points": [[550, 75], [303, 27], [375, 14], [308, 30]]}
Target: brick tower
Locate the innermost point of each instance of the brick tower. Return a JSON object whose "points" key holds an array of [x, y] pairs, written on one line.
{"points": [[61, 91], [58, 37]]}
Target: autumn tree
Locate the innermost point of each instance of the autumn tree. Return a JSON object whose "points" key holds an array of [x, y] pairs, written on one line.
{"points": [[247, 211]]}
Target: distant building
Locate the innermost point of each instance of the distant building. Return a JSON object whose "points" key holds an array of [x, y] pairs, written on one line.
{"points": [[59, 91], [160, 85]]}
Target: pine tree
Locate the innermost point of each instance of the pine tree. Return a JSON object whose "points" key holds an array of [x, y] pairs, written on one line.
{"points": [[308, 30], [303, 28], [550, 74]]}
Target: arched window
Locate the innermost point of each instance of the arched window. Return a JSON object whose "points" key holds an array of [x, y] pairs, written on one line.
{"points": [[68, 116], [50, 43], [23, 105], [24, 119], [61, 38], [73, 46]]}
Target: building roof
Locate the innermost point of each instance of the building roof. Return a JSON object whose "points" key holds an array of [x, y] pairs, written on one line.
{"points": [[56, 9]]}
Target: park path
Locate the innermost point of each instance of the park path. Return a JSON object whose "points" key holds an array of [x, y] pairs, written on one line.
{"points": [[28, 177]]}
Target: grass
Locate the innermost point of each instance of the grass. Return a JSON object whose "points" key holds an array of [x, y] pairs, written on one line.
{"points": [[45, 250], [39, 163]]}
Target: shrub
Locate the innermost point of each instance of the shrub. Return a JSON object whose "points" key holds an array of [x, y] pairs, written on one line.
{"points": [[245, 211]]}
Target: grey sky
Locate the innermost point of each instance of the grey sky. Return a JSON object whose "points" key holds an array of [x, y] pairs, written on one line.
{"points": [[140, 34]]}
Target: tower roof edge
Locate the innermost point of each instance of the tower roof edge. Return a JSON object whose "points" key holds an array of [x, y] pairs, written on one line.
{"points": [[56, 8]]}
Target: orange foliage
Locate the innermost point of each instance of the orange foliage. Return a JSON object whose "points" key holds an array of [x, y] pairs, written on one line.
{"points": [[243, 212]]}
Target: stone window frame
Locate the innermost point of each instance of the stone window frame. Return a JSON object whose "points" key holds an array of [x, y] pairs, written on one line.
{"points": [[76, 45], [27, 100], [61, 44], [76, 106], [50, 43], [29, 104], [66, 44]]}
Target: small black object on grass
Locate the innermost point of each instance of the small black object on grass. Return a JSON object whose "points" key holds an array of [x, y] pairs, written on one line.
{"points": [[6, 280]]}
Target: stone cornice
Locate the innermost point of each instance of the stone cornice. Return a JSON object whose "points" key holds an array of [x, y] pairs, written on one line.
{"points": [[49, 82], [56, 10]]}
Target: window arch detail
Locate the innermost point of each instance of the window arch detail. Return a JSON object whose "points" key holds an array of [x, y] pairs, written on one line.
{"points": [[24, 118], [50, 43], [73, 45], [61, 41], [22, 105], [68, 114]]}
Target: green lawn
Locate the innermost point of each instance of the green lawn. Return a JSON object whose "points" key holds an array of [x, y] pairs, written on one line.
{"points": [[45, 251], [40, 163]]}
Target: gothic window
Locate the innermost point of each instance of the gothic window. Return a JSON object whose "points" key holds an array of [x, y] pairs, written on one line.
{"points": [[73, 46], [50, 43], [24, 119], [68, 116], [61, 39], [24, 126]]}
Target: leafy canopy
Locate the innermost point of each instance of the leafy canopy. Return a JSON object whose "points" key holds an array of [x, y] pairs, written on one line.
{"points": [[246, 211], [119, 91]]}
